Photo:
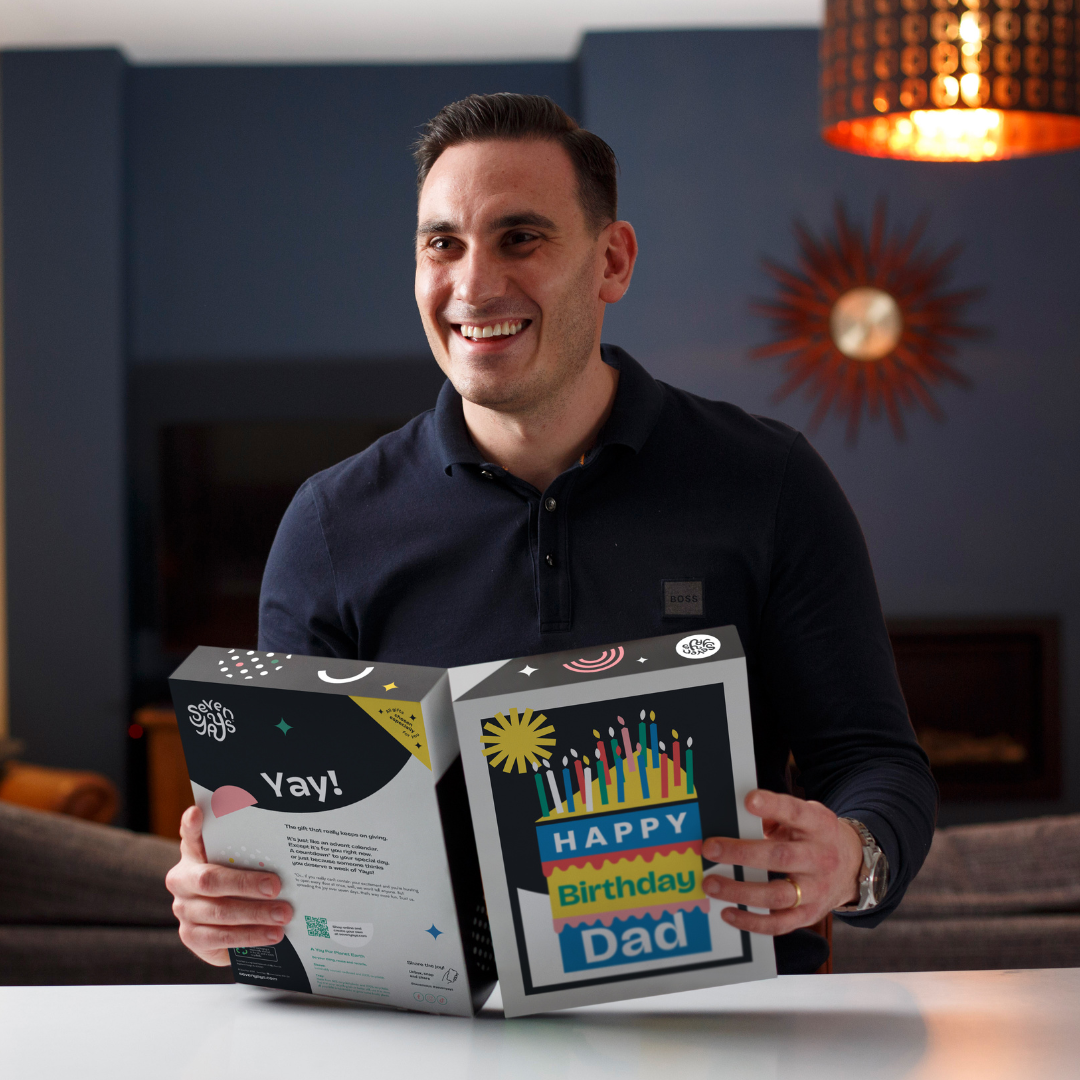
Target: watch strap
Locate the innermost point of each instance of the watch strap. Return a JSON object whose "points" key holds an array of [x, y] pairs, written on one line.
{"points": [[873, 860]]}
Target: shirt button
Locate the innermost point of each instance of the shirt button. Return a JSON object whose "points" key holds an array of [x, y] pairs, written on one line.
{"points": [[550, 560], [549, 503], [487, 474]]}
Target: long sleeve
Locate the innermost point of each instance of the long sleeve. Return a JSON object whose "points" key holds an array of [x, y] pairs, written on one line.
{"points": [[831, 678]]}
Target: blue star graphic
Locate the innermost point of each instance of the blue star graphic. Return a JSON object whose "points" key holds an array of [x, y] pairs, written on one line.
{"points": [[285, 728], [434, 931]]}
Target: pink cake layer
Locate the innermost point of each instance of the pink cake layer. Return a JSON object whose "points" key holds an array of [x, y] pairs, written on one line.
{"points": [[655, 911], [579, 862]]}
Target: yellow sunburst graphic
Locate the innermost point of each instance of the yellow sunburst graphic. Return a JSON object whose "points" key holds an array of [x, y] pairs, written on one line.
{"points": [[517, 740]]}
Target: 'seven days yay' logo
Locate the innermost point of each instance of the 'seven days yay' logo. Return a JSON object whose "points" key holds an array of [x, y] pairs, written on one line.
{"points": [[697, 646], [212, 718]]}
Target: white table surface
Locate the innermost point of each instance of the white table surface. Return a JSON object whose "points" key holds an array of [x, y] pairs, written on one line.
{"points": [[987, 1024]]}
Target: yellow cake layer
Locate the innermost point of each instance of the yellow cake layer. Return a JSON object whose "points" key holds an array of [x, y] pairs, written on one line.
{"points": [[625, 883]]}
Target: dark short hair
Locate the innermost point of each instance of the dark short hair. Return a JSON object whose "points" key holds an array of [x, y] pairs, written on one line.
{"points": [[480, 117]]}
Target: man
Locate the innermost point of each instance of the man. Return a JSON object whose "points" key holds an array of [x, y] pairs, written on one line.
{"points": [[548, 499]]}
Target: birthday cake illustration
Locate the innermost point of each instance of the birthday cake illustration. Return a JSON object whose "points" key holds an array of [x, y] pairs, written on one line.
{"points": [[619, 840]]}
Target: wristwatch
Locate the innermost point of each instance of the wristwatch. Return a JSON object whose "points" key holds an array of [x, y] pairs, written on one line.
{"points": [[874, 879]]}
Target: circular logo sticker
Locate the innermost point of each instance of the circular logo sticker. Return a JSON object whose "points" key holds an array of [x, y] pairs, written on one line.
{"points": [[698, 646]]}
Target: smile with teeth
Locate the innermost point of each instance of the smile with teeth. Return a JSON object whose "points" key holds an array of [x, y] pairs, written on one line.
{"points": [[492, 329]]}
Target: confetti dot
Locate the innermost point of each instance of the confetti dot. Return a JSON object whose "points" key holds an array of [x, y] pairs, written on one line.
{"points": [[269, 654], [236, 657], [251, 652], [264, 672], [243, 670], [258, 667], [262, 864]]}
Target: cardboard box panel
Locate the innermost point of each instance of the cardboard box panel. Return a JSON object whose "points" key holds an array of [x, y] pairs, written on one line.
{"points": [[344, 779], [593, 779]]}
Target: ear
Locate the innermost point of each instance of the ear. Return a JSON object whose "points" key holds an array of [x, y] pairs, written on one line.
{"points": [[619, 244]]}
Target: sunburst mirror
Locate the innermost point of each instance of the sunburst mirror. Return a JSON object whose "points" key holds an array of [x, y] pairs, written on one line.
{"points": [[865, 323]]}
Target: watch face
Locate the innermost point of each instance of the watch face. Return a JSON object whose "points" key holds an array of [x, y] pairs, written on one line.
{"points": [[879, 878]]}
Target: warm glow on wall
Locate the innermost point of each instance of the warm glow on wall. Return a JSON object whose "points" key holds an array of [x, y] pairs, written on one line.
{"points": [[951, 80]]}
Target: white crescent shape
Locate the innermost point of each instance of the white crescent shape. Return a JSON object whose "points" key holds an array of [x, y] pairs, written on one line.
{"points": [[352, 678]]}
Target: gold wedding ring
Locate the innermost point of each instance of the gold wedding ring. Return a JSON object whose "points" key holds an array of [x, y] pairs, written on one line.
{"points": [[798, 893]]}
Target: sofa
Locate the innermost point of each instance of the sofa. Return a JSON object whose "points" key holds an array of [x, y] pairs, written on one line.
{"points": [[988, 896], [86, 903]]}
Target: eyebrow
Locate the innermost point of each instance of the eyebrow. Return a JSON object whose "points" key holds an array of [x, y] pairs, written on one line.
{"points": [[507, 221]]}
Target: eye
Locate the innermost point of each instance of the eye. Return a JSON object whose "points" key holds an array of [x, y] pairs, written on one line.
{"points": [[520, 236], [441, 243]]}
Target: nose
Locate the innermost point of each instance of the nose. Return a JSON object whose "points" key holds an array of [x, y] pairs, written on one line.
{"points": [[478, 278]]}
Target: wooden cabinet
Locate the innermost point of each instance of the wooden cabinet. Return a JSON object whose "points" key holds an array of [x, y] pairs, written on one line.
{"points": [[168, 786]]}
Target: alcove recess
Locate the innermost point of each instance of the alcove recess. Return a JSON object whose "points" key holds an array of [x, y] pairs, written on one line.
{"points": [[217, 451], [983, 695]]}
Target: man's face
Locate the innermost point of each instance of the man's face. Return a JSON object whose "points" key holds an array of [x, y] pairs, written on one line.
{"points": [[508, 273]]}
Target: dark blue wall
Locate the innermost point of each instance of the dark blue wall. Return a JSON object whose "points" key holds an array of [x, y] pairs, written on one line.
{"points": [[64, 391], [716, 133], [273, 208], [270, 219]]}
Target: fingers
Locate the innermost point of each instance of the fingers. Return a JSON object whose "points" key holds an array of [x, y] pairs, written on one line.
{"points": [[219, 907], [210, 943], [226, 912], [780, 922], [189, 879], [783, 856], [786, 809], [779, 895], [191, 841]]}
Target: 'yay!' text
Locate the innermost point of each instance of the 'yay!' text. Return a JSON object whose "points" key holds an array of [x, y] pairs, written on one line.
{"points": [[304, 786]]}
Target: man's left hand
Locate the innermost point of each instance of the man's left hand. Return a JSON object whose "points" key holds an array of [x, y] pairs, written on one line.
{"points": [[807, 843]]}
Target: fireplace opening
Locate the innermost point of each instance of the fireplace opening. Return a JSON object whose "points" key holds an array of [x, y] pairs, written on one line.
{"points": [[983, 699]]}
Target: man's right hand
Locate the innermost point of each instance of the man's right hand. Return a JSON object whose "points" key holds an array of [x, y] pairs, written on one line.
{"points": [[220, 908]]}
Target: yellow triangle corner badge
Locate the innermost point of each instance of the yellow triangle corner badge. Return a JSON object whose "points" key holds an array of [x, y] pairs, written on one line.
{"points": [[403, 719]]}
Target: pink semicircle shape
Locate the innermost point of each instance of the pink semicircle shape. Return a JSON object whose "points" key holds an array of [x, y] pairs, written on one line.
{"points": [[228, 799]]}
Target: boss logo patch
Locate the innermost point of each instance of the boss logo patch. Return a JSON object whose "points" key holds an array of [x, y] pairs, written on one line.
{"points": [[683, 598]]}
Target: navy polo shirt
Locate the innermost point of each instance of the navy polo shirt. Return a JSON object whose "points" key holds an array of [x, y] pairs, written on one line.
{"points": [[419, 551]]}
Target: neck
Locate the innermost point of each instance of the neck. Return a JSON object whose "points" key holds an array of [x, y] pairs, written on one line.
{"points": [[537, 446]]}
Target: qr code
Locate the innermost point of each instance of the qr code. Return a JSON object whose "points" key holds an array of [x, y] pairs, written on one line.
{"points": [[316, 927]]}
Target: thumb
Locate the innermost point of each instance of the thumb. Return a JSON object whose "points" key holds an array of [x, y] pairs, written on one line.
{"points": [[191, 841]]}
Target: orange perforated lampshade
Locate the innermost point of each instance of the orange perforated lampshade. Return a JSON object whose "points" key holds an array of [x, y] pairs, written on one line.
{"points": [[951, 80]]}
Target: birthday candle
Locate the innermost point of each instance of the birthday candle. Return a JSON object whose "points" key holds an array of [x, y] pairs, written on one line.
{"points": [[569, 789], [580, 779], [601, 753], [602, 776], [619, 780], [643, 770], [540, 792], [675, 758], [626, 745], [554, 788], [663, 776], [652, 743], [642, 744], [588, 786], [689, 767]]}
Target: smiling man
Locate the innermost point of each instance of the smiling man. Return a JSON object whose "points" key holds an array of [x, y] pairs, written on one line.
{"points": [[558, 496]]}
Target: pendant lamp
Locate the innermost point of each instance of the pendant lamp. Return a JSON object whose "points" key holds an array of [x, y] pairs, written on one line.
{"points": [[951, 80]]}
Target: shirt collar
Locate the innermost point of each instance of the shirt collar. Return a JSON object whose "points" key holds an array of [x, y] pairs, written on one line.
{"points": [[638, 401]]}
